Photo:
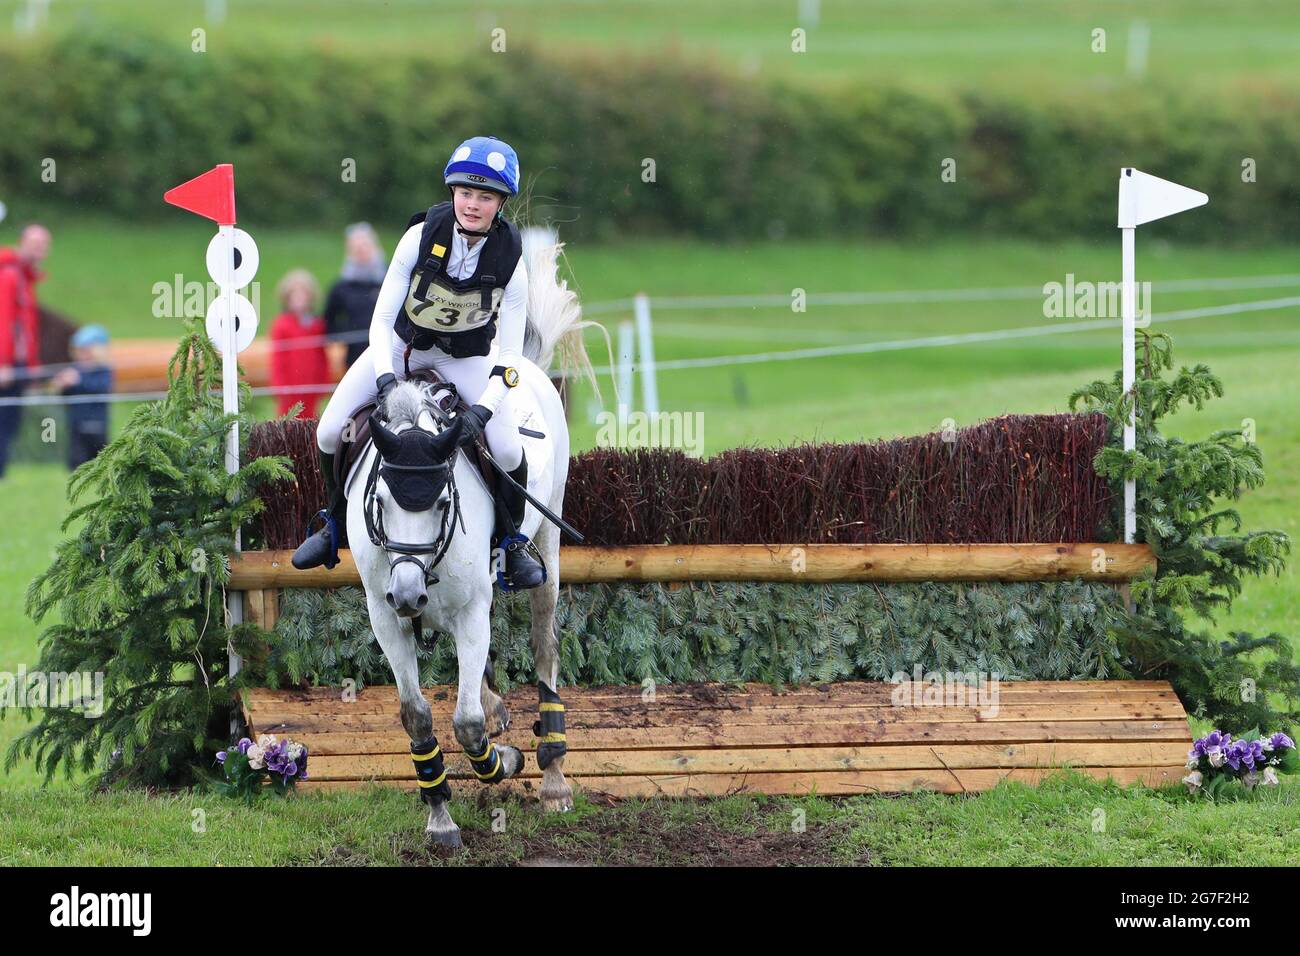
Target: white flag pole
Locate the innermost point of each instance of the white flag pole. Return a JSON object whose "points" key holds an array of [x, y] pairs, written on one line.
{"points": [[230, 402], [1142, 198], [1128, 309]]}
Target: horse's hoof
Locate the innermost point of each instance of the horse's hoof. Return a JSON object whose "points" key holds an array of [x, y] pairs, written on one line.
{"points": [[447, 838], [557, 802], [512, 759]]}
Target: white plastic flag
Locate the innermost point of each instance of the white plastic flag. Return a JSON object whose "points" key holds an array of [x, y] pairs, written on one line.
{"points": [[1142, 198]]}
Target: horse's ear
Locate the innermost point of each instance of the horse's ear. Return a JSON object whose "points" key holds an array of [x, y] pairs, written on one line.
{"points": [[385, 441], [445, 442]]}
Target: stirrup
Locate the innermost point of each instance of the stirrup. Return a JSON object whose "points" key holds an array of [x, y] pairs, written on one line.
{"points": [[520, 541], [332, 558]]}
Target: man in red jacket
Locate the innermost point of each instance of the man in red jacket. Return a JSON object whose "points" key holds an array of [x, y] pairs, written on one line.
{"points": [[20, 352]]}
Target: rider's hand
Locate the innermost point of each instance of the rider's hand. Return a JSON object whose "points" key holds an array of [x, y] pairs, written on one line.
{"points": [[383, 385], [6, 376], [476, 418]]}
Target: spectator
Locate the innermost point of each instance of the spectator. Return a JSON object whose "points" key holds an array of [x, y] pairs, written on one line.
{"points": [[298, 345], [351, 301], [19, 325], [90, 374]]}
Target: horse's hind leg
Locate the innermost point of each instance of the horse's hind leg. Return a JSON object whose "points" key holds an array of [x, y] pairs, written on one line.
{"points": [[490, 763], [496, 716], [417, 718], [556, 794]]}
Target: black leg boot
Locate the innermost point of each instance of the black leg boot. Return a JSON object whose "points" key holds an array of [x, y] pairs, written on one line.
{"points": [[322, 547], [522, 570]]}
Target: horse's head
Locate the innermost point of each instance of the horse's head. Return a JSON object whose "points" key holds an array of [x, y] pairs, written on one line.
{"points": [[409, 514]]}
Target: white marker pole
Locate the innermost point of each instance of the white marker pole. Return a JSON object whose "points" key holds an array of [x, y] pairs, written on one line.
{"points": [[1128, 309], [230, 403], [625, 349], [1142, 198], [646, 348]]}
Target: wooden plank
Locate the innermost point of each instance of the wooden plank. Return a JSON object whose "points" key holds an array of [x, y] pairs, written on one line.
{"points": [[700, 737], [254, 608], [587, 721], [527, 703], [384, 699], [271, 605], [579, 764], [842, 783], [798, 563]]}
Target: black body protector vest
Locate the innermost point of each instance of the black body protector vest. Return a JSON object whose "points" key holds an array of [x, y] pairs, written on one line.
{"points": [[458, 316]]}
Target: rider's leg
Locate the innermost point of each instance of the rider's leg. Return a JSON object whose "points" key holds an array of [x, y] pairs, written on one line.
{"points": [[502, 434], [357, 387]]}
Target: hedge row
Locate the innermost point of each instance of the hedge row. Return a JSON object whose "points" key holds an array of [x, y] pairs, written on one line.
{"points": [[1013, 478], [773, 633], [125, 117]]}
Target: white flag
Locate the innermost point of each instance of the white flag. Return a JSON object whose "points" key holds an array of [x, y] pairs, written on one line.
{"points": [[1144, 198]]}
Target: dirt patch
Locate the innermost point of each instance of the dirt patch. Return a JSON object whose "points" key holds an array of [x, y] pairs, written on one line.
{"points": [[652, 833]]}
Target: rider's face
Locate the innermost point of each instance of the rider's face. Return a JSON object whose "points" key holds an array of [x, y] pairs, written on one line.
{"points": [[475, 208]]}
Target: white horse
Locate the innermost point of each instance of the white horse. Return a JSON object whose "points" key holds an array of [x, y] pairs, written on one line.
{"points": [[420, 505]]}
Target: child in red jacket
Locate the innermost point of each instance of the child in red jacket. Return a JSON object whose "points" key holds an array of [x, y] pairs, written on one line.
{"points": [[298, 356]]}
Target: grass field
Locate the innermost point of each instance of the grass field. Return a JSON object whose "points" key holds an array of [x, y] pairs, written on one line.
{"points": [[985, 43], [846, 397]]}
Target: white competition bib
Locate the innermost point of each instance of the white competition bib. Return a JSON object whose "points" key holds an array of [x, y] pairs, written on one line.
{"points": [[443, 310]]}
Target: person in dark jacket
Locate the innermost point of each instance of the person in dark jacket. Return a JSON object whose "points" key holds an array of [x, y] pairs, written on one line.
{"points": [[351, 301], [90, 374]]}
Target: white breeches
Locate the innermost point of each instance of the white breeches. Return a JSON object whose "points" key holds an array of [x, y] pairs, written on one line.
{"points": [[469, 375]]}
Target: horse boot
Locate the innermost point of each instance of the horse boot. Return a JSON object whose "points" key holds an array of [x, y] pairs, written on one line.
{"points": [[522, 570], [323, 546]]}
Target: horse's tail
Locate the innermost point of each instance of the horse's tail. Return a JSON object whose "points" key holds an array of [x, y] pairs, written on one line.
{"points": [[555, 324]]}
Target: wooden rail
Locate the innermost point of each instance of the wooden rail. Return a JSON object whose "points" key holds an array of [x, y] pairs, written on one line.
{"points": [[713, 739], [820, 563]]}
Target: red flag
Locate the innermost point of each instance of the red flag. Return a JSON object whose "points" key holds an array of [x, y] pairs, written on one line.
{"points": [[211, 195]]}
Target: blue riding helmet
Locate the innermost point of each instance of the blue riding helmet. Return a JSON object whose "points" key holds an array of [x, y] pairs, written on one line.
{"points": [[484, 162]]}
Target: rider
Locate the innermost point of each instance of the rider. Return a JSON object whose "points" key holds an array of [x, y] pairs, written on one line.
{"points": [[455, 273]]}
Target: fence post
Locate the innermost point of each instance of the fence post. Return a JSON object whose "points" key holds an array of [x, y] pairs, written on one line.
{"points": [[646, 350]]}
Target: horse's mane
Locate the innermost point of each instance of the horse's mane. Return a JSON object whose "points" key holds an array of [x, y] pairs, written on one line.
{"points": [[405, 404]]}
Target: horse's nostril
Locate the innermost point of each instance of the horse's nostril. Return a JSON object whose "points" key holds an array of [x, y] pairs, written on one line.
{"points": [[422, 600], [389, 598]]}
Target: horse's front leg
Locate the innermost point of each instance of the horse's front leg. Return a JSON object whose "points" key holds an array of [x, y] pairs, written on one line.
{"points": [[417, 718], [491, 763]]}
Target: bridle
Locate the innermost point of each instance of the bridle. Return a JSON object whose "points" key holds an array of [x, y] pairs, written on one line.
{"points": [[373, 509]]}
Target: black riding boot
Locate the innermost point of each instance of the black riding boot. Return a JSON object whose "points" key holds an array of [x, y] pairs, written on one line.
{"points": [[522, 570], [320, 547]]}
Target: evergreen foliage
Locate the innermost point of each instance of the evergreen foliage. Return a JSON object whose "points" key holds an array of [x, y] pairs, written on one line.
{"points": [[138, 589], [1184, 491], [774, 633]]}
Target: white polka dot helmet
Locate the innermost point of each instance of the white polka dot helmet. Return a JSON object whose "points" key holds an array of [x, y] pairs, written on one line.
{"points": [[484, 162]]}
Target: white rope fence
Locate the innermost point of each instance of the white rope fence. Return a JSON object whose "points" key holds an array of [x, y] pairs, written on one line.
{"points": [[1005, 293]]}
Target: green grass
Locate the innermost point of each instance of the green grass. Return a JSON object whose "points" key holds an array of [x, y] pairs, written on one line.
{"points": [[841, 398], [1067, 820], [982, 43]]}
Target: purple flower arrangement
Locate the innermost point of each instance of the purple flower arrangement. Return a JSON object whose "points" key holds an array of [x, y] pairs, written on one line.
{"points": [[267, 764], [1253, 759]]}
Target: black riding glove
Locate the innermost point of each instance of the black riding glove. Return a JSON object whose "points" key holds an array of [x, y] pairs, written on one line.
{"points": [[383, 385], [476, 418]]}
